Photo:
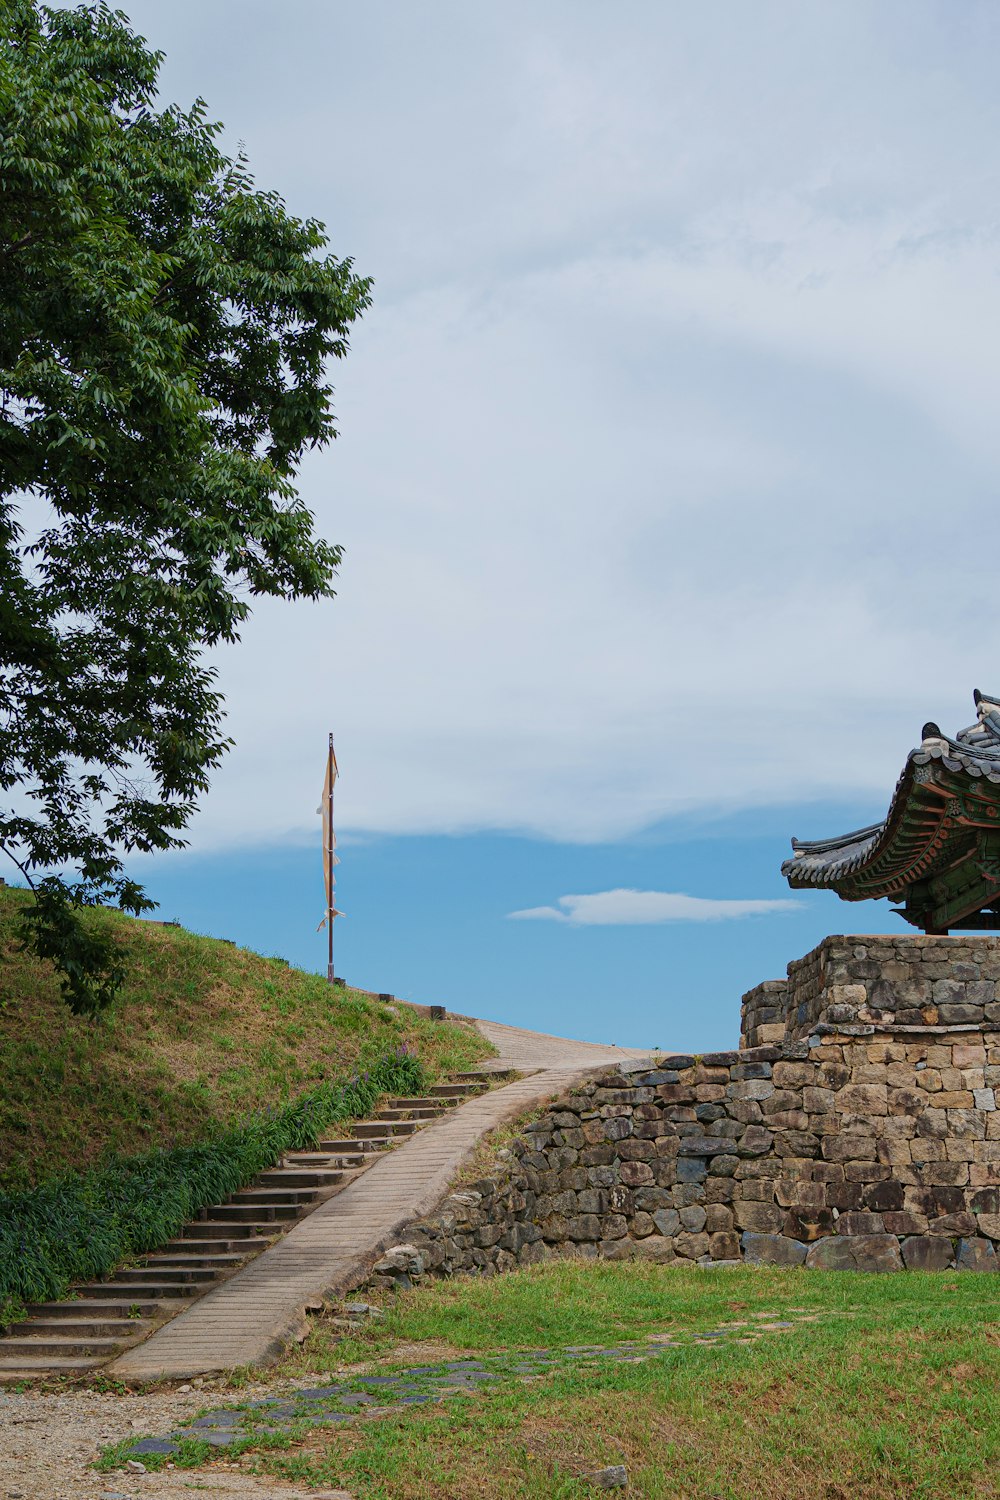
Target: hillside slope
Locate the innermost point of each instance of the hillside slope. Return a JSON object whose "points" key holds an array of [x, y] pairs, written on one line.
{"points": [[202, 1034]]}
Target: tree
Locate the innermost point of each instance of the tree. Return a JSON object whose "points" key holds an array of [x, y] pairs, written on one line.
{"points": [[166, 332]]}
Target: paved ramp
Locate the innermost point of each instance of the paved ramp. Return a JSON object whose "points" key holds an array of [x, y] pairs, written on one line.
{"points": [[254, 1316]]}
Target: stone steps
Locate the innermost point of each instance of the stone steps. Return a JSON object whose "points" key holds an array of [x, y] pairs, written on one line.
{"points": [[104, 1318]]}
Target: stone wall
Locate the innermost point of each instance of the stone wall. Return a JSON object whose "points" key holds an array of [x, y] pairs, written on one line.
{"points": [[867, 1137], [914, 981]]}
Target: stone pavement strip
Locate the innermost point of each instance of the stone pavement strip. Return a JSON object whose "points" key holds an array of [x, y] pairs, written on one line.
{"points": [[254, 1316], [298, 1408]]}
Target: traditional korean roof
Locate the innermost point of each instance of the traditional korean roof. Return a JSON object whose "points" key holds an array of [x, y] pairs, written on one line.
{"points": [[938, 848]]}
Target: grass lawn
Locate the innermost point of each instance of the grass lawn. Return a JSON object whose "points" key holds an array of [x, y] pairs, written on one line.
{"points": [[202, 1034], [883, 1386]]}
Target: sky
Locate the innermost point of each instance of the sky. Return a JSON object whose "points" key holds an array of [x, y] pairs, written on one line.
{"points": [[667, 484]]}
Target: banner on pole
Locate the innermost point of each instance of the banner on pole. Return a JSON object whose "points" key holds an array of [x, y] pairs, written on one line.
{"points": [[330, 858]]}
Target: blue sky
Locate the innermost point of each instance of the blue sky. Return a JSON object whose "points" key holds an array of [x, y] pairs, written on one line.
{"points": [[428, 920], [667, 481]]}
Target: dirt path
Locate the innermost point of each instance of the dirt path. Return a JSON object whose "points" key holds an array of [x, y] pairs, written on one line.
{"points": [[48, 1442]]}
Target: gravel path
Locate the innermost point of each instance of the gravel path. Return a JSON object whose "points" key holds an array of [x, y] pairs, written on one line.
{"points": [[48, 1442]]}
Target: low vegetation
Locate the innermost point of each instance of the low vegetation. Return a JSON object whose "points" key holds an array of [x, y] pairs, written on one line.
{"points": [[881, 1387], [202, 1035], [84, 1224]]}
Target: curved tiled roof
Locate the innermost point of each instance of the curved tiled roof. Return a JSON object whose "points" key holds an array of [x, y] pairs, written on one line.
{"points": [[973, 752]]}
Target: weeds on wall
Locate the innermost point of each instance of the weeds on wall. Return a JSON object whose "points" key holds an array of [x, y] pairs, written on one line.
{"points": [[82, 1225]]}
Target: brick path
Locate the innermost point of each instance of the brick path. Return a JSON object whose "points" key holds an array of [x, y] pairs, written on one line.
{"points": [[251, 1318]]}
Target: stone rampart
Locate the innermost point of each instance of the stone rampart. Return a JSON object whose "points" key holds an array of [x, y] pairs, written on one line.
{"points": [[912, 981], [864, 1135]]}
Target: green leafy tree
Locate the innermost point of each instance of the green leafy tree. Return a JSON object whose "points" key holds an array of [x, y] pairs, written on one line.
{"points": [[166, 335]]}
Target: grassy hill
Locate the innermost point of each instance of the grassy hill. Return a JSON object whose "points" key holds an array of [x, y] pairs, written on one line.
{"points": [[202, 1034]]}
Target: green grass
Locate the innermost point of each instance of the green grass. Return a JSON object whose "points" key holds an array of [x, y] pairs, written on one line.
{"points": [[891, 1390], [202, 1035], [84, 1224]]}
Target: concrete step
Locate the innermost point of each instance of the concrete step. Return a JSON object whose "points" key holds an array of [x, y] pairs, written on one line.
{"points": [[283, 1178], [256, 1214], [210, 1262], [486, 1076], [370, 1129], [273, 1194], [16, 1369], [59, 1348], [352, 1147], [231, 1229], [218, 1229], [143, 1275], [108, 1328], [436, 1105], [415, 1112], [249, 1244], [454, 1090], [138, 1291], [99, 1307]]}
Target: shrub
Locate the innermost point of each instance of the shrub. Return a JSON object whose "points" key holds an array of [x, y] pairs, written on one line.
{"points": [[82, 1225]]}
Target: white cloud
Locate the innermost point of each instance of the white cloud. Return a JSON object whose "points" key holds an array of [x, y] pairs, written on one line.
{"points": [[625, 908], [681, 367]]}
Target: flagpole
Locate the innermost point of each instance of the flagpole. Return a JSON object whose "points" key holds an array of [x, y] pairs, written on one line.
{"points": [[329, 868]]}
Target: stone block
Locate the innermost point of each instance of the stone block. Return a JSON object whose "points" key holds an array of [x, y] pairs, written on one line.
{"points": [[636, 1173], [904, 1222], [857, 1223], [723, 1166], [809, 1224], [655, 1248], [816, 1101], [880, 1196], [960, 1015], [774, 1032], [691, 1246], [693, 1217], [756, 1139], [751, 1088], [952, 1224], [791, 1193], [704, 1145], [636, 1150], [875, 1252], [849, 1146], [771, 1250], [642, 1224], [686, 1193], [926, 1253], [649, 1199], [597, 1156], [743, 1071], [718, 1218], [621, 1199], [976, 1254], [985, 1099], [794, 1142], [760, 1218], [667, 1222], [863, 1099]]}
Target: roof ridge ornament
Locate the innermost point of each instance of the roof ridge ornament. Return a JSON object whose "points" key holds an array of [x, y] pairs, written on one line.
{"points": [[928, 848]]}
